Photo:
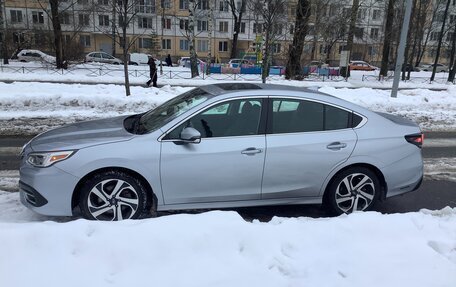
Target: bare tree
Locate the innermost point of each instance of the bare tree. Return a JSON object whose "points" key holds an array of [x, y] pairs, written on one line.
{"points": [[293, 68], [3, 34], [192, 5], [272, 13], [210, 17], [237, 10], [387, 39], [441, 35], [351, 30]]}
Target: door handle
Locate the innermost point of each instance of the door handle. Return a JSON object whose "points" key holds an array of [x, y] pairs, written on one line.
{"points": [[251, 151], [336, 146]]}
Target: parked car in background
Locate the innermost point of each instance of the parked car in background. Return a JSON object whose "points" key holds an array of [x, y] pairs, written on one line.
{"points": [[361, 66], [185, 62], [35, 56], [102, 57], [234, 63], [408, 67], [429, 68], [318, 64], [138, 59], [223, 146]]}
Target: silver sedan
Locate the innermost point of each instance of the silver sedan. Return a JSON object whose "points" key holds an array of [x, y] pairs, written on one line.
{"points": [[224, 145]]}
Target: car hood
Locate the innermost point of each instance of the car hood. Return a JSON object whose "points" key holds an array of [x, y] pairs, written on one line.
{"points": [[81, 135]]}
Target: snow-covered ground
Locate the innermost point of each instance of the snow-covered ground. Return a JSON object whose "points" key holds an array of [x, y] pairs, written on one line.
{"points": [[219, 248], [31, 107]]}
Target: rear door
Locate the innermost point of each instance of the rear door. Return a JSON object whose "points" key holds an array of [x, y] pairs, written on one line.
{"points": [[305, 140]]}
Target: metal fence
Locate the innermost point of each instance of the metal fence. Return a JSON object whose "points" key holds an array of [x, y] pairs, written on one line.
{"points": [[143, 72]]}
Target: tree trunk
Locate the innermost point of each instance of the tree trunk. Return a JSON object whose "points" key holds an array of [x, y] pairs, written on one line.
{"points": [[4, 36], [266, 56], [387, 39], [452, 65], [209, 37], [439, 45], [55, 18], [351, 31], [293, 68], [113, 25], [125, 49], [237, 17], [191, 28]]}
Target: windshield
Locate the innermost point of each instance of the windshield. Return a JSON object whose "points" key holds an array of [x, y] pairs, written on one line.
{"points": [[171, 109]]}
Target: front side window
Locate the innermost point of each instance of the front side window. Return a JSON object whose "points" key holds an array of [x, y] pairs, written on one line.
{"points": [[294, 116], [171, 109], [227, 119]]}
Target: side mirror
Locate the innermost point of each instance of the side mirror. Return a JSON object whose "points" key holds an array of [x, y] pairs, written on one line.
{"points": [[190, 135]]}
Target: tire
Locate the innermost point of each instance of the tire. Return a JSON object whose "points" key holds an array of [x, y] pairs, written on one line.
{"points": [[354, 189], [112, 196]]}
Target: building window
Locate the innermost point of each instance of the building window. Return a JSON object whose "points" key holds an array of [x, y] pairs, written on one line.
{"points": [[278, 29], [166, 44], [201, 45], [276, 47], [183, 45], [223, 46], [376, 14], [183, 24], [103, 20], [223, 7], [362, 14], [183, 4], [145, 22], [103, 2], [37, 17], [359, 32], [165, 4], [65, 18], [203, 5], [291, 29], [83, 2], [223, 26], [145, 43], [84, 20], [145, 6], [242, 30], [374, 33], [257, 28], [166, 23], [16, 16], [201, 25], [84, 40], [18, 38]]}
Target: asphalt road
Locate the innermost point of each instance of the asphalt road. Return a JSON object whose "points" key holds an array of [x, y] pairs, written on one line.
{"points": [[433, 194]]}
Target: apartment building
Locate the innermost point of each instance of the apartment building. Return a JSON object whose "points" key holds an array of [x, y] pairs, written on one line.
{"points": [[160, 27]]}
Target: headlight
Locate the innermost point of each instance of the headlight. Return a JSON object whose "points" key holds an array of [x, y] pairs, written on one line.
{"points": [[45, 159]]}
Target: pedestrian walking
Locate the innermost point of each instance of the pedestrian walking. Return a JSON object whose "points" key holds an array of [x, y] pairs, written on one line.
{"points": [[153, 72], [168, 60]]}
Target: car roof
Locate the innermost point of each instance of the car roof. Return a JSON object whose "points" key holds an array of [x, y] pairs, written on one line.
{"points": [[224, 88]]}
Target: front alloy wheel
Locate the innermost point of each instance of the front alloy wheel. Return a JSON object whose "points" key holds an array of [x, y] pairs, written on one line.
{"points": [[113, 196], [355, 189]]}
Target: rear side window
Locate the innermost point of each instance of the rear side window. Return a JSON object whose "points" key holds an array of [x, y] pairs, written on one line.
{"points": [[293, 116]]}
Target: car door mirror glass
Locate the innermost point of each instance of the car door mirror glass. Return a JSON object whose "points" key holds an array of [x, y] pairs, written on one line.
{"points": [[190, 135]]}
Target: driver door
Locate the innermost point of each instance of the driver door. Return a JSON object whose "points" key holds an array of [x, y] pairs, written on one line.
{"points": [[227, 165]]}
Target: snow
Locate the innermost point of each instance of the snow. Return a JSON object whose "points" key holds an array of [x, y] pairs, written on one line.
{"points": [[31, 107], [221, 249], [218, 248]]}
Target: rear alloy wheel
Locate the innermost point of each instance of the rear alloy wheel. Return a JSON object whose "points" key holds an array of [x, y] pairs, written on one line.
{"points": [[355, 189], [113, 196]]}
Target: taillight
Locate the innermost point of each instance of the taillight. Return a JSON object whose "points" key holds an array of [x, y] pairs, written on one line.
{"points": [[416, 139]]}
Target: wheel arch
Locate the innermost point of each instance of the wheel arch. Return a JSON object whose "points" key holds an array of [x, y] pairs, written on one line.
{"points": [[78, 187], [374, 169]]}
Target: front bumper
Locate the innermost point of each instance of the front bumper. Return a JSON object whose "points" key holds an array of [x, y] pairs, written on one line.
{"points": [[47, 191]]}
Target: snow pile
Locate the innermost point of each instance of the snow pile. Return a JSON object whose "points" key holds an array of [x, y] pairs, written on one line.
{"points": [[221, 249], [30, 108]]}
